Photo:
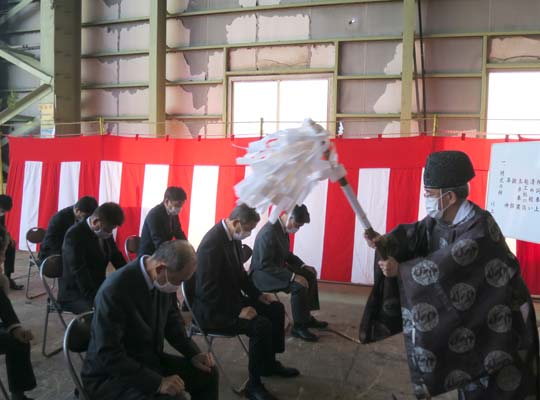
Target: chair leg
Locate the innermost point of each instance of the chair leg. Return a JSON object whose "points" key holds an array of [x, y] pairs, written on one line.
{"points": [[28, 295], [45, 330], [3, 390], [237, 390], [243, 345]]}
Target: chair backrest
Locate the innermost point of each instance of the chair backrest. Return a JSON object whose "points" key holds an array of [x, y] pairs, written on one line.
{"points": [[76, 340], [51, 268], [131, 245], [246, 253], [188, 291], [34, 235]]}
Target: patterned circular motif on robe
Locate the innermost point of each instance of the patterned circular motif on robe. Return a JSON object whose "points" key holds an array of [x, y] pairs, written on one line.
{"points": [[391, 307], [499, 319], [495, 360], [425, 317], [465, 251], [424, 359], [456, 379], [443, 243], [509, 378], [493, 229], [461, 340], [462, 296], [407, 319], [497, 273], [425, 273]]}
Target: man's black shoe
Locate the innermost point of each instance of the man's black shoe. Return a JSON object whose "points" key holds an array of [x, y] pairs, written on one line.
{"points": [[258, 392], [282, 371], [14, 286], [315, 323], [303, 333]]}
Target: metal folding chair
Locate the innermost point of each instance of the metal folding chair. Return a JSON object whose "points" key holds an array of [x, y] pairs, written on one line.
{"points": [[51, 270], [33, 236], [195, 329], [76, 340], [131, 246]]}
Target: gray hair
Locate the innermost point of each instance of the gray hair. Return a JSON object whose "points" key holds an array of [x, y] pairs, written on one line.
{"points": [[176, 254], [244, 214]]}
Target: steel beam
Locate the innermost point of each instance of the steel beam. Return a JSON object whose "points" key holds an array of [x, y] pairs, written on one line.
{"points": [[60, 25], [14, 10], [407, 75], [158, 51], [25, 62], [25, 102]]}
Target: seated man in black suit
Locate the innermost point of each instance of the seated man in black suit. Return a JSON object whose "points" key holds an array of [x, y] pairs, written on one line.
{"points": [[9, 264], [275, 268], [88, 248], [161, 223], [136, 309], [61, 222], [14, 340], [220, 304]]}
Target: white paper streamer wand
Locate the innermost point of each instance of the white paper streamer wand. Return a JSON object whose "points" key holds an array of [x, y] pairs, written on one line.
{"points": [[360, 213], [286, 166]]}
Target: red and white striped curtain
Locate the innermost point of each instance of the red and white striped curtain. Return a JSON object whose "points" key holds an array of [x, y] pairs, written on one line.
{"points": [[48, 174]]}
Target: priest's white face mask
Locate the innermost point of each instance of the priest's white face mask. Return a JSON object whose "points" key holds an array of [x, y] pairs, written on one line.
{"points": [[434, 205]]}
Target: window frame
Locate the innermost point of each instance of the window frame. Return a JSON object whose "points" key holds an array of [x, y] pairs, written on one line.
{"points": [[330, 105]]}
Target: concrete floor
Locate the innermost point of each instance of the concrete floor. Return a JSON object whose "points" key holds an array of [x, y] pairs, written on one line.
{"points": [[333, 368]]}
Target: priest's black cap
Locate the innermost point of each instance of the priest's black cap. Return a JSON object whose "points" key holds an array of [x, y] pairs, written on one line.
{"points": [[447, 169]]}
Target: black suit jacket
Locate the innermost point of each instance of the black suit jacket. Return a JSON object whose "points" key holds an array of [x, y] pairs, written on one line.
{"points": [[159, 227], [272, 262], [220, 280], [128, 332], [56, 230], [7, 313], [84, 263]]}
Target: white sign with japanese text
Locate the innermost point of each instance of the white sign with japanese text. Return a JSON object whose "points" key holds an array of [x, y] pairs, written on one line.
{"points": [[513, 195]]}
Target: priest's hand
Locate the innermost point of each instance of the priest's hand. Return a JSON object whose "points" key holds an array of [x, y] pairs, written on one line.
{"points": [[389, 267], [372, 242]]}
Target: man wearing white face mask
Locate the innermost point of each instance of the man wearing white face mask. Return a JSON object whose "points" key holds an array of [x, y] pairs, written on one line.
{"points": [[225, 299], [162, 224], [453, 287], [88, 248], [126, 358], [275, 268]]}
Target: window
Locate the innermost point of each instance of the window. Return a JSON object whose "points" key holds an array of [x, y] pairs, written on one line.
{"points": [[513, 103], [281, 102]]}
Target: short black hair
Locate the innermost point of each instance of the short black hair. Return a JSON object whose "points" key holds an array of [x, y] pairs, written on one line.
{"points": [[245, 214], [301, 214], [461, 192], [5, 202], [176, 254], [86, 204], [110, 213], [175, 193]]}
